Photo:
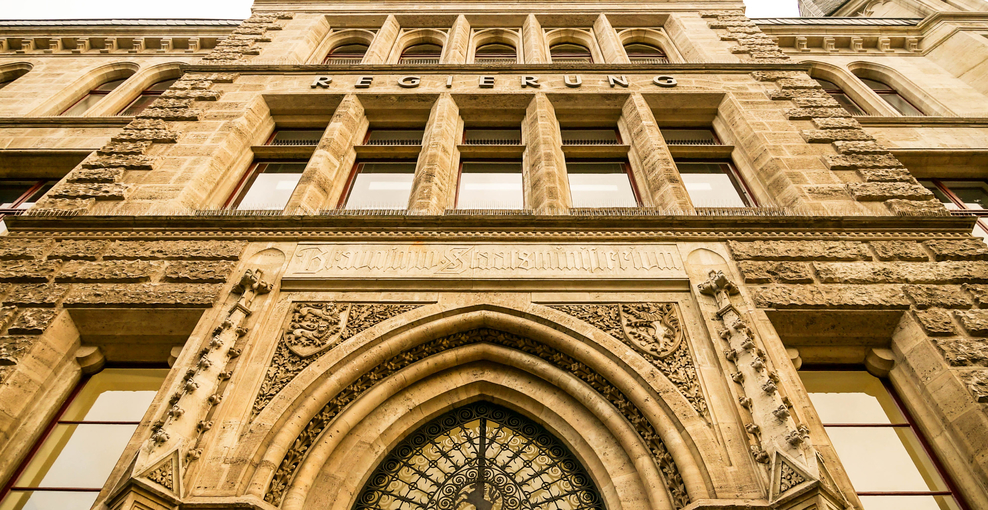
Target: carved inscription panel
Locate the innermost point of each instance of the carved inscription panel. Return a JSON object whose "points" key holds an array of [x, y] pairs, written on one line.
{"points": [[486, 261]]}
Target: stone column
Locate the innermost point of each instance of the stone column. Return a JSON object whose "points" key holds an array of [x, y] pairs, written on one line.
{"points": [[533, 41], [380, 47], [609, 42], [662, 184], [458, 42], [326, 173], [435, 174], [546, 184]]}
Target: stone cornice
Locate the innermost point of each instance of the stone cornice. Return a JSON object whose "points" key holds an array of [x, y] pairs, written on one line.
{"points": [[444, 69]]}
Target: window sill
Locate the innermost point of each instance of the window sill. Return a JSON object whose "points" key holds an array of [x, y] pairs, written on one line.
{"points": [[701, 151], [283, 151], [387, 151], [596, 151], [491, 151]]}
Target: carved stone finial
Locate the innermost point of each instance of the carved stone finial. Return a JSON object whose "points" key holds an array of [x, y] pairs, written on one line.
{"points": [[769, 387], [794, 438], [193, 454], [737, 377], [781, 412], [745, 402], [760, 455], [753, 429]]}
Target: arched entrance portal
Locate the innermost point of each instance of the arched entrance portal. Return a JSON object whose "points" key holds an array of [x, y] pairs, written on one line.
{"points": [[480, 457]]}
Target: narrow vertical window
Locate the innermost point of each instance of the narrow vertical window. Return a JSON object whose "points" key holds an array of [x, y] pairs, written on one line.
{"points": [[601, 184], [570, 53], [346, 54], [380, 185], [78, 451], [881, 449], [713, 184], [146, 98], [92, 97], [641, 53], [267, 186], [490, 185], [893, 98], [840, 96]]}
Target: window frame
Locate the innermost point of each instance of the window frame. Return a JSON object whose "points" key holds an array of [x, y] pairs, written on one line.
{"points": [[348, 188], [739, 183], [840, 91], [330, 58], [891, 91], [459, 176], [147, 92], [15, 209], [247, 180], [942, 185], [628, 171], [94, 91], [662, 52], [570, 58]]}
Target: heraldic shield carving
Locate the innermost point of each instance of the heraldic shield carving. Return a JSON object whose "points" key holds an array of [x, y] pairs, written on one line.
{"points": [[651, 327], [315, 327]]}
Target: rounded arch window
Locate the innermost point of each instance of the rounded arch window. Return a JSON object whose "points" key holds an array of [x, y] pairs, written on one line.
{"points": [[146, 97], [8, 77], [484, 457], [496, 52], [94, 96], [570, 52], [352, 53], [642, 53], [840, 96], [424, 53], [892, 97]]}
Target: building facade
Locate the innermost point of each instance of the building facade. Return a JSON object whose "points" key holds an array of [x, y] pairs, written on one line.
{"points": [[488, 255]]}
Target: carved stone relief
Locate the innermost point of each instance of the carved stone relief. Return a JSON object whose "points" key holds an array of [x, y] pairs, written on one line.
{"points": [[313, 329], [164, 475], [285, 473], [788, 478], [655, 331]]}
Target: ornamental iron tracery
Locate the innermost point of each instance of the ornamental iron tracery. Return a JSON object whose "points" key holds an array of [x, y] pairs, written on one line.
{"points": [[480, 457]]}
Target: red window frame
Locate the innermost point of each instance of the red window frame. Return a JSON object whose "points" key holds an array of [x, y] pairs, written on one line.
{"points": [[247, 180], [25, 196], [570, 56], [732, 172], [341, 203], [627, 171]]}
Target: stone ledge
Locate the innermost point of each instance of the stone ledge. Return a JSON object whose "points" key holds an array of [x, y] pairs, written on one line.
{"points": [[799, 250], [900, 250], [844, 297], [77, 250], [32, 321], [12, 248], [937, 296], [979, 293], [854, 162], [846, 146], [172, 114], [114, 148], [129, 162], [105, 191], [834, 135], [168, 295], [916, 207], [197, 95], [935, 322], [148, 135], [885, 174], [836, 123], [95, 175], [816, 113]]}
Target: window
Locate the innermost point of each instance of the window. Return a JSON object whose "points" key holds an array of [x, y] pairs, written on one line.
{"points": [[92, 97], [881, 449], [893, 98], [394, 137], [380, 185], [425, 53], [346, 54], [590, 137], [570, 52], [18, 196], [840, 96], [490, 185], [601, 184], [491, 136], [78, 451], [267, 185], [713, 184], [295, 137], [495, 53], [146, 98], [641, 53], [689, 136], [12, 73], [971, 197]]}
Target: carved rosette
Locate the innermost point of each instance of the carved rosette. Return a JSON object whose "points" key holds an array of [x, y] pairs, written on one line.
{"points": [[312, 330], [655, 331]]}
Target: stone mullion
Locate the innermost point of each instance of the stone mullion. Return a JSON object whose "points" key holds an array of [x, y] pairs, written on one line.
{"points": [[546, 183], [326, 173], [433, 188], [380, 47], [458, 42], [663, 186], [609, 42], [533, 41]]}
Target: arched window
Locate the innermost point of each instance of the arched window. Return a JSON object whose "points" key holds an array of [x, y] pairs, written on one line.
{"points": [[495, 53], [570, 52], [346, 54], [481, 456], [425, 53], [840, 96], [893, 98], [147, 97], [92, 97], [9, 73], [641, 53]]}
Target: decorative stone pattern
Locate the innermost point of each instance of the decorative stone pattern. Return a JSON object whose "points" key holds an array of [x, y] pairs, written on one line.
{"points": [[312, 330], [285, 473], [203, 272], [112, 271], [181, 295], [32, 321], [964, 352], [175, 250], [164, 475], [653, 330], [752, 44], [238, 47]]}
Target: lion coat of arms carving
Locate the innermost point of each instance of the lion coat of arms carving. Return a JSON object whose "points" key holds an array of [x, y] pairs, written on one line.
{"points": [[315, 327], [651, 327]]}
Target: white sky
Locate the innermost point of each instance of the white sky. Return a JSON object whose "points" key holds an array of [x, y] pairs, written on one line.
{"points": [[232, 9]]}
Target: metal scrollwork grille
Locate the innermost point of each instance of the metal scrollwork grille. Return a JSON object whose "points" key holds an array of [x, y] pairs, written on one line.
{"points": [[480, 457]]}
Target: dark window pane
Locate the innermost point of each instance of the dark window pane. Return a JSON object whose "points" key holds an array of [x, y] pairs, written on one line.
{"points": [[161, 86], [296, 137], [496, 49], [110, 85], [711, 185], [272, 186], [138, 106], [48, 500], [349, 50], [690, 137], [83, 105], [901, 105], [569, 49], [847, 103], [12, 191], [490, 185], [829, 85], [600, 184], [5, 83], [643, 50], [974, 194], [876, 85], [31, 200], [381, 186], [423, 50]]}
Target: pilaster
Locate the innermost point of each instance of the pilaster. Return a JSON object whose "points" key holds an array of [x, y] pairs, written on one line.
{"points": [[533, 41], [458, 43], [546, 185], [662, 184], [610, 44], [380, 47], [435, 173]]}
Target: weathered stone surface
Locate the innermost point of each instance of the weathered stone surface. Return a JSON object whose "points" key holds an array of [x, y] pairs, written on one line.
{"points": [[781, 272], [977, 384], [116, 148], [975, 322], [210, 272], [48, 206], [789, 94], [128, 161], [152, 124], [171, 103], [967, 249], [715, 14], [172, 114], [935, 322], [885, 175], [846, 146], [877, 191], [27, 271], [979, 293], [799, 250], [32, 321], [175, 250], [901, 272], [104, 191], [855, 162], [778, 75], [213, 77], [964, 352], [775, 54], [149, 135], [95, 175], [916, 207], [824, 123], [197, 95], [12, 248], [184, 84], [37, 295], [105, 271], [831, 296], [166, 295], [816, 113], [900, 250], [832, 135], [77, 250], [7, 314], [937, 296], [816, 102]]}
